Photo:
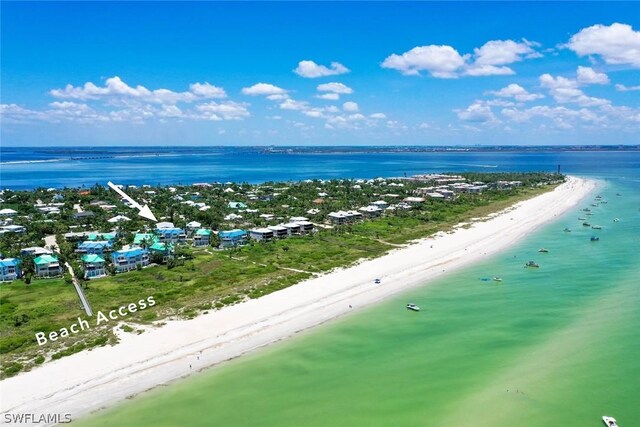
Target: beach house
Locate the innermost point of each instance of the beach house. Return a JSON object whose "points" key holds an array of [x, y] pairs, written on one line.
{"points": [[163, 249], [192, 227], [371, 211], [202, 237], [279, 231], [237, 205], [232, 238], [9, 269], [94, 266], [7, 212], [261, 234], [171, 235], [144, 239], [35, 251], [97, 247], [293, 228], [12, 229], [47, 266], [130, 259]]}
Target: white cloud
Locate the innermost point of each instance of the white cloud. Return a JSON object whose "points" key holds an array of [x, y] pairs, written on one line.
{"points": [[259, 89], [350, 106], [222, 111], [335, 87], [115, 88], [446, 62], [329, 96], [588, 76], [516, 92], [503, 52], [439, 61], [566, 90], [477, 112], [616, 43], [207, 90], [623, 88], [311, 70], [378, 116], [290, 104]]}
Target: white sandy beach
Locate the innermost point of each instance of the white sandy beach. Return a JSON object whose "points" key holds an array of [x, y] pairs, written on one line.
{"points": [[100, 378]]}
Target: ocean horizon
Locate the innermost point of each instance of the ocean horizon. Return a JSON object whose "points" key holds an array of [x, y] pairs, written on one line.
{"points": [[57, 167]]}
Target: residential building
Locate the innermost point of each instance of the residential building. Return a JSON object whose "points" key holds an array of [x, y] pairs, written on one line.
{"points": [[7, 212], [237, 205], [84, 215], [144, 239], [305, 227], [279, 231], [12, 229], [35, 251], [261, 234], [94, 266], [89, 247], [47, 266], [371, 211], [171, 235], [232, 238], [293, 228], [130, 259], [118, 218], [9, 269], [202, 237]]}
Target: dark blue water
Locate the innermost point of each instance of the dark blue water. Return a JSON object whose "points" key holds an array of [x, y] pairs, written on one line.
{"points": [[25, 168]]}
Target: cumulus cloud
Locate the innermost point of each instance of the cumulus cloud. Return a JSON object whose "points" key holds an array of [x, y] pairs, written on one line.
{"points": [[439, 61], [378, 116], [263, 89], [477, 112], [443, 61], [329, 96], [588, 76], [311, 70], [516, 92], [566, 90], [291, 104], [623, 88], [222, 111], [615, 44], [334, 87], [114, 88], [350, 106]]}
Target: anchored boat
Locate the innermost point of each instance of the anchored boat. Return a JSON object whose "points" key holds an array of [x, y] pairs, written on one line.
{"points": [[609, 421], [413, 307], [532, 264]]}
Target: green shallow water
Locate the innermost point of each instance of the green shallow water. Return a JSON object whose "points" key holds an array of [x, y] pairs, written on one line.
{"points": [[558, 345]]}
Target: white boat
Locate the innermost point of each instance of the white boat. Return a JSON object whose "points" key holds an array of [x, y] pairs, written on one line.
{"points": [[609, 421], [543, 250], [497, 279], [615, 220], [413, 307], [596, 227]]}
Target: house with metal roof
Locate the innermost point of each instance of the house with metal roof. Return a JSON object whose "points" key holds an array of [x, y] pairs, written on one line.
{"points": [[171, 235], [202, 237], [130, 259], [94, 266], [97, 247], [9, 269], [144, 239], [47, 266], [261, 234], [232, 238]]}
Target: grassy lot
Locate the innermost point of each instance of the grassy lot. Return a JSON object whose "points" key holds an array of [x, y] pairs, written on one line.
{"points": [[212, 279]]}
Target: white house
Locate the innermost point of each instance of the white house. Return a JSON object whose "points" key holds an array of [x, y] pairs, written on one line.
{"points": [[261, 234], [279, 231]]}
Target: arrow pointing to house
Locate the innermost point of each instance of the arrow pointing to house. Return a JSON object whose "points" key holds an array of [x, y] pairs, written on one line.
{"points": [[144, 211]]}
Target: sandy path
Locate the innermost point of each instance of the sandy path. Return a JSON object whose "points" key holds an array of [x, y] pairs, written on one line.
{"points": [[95, 379]]}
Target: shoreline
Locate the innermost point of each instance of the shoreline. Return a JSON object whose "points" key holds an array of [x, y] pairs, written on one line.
{"points": [[100, 378]]}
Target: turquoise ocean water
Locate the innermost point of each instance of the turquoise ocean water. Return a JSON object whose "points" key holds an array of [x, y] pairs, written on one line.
{"points": [[558, 345]]}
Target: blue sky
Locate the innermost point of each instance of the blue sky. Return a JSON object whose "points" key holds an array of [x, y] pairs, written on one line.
{"points": [[324, 73]]}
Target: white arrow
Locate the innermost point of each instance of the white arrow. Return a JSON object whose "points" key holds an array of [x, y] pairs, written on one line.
{"points": [[145, 212]]}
